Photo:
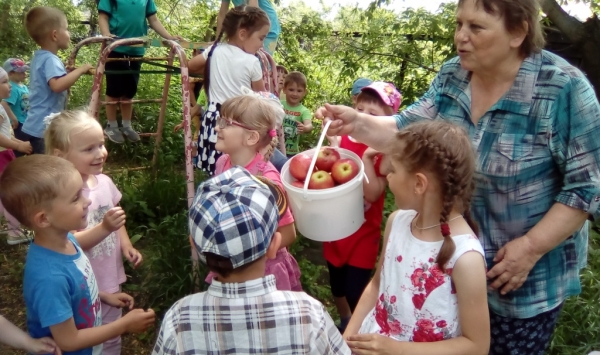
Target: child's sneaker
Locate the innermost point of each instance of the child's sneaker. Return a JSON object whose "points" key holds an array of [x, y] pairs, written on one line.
{"points": [[19, 236], [132, 135], [114, 135]]}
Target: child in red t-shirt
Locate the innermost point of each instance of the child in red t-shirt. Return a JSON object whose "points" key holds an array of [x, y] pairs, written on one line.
{"points": [[351, 260]]}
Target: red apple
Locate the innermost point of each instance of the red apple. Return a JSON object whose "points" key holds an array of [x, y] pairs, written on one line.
{"points": [[326, 158], [299, 166], [320, 180], [298, 184], [344, 170]]}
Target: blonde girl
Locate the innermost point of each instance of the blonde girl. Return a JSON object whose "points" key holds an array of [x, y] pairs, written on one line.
{"points": [[228, 66], [247, 137], [78, 138], [428, 295]]}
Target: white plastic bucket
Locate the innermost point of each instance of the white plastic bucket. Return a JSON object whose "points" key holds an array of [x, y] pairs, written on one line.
{"points": [[329, 214]]}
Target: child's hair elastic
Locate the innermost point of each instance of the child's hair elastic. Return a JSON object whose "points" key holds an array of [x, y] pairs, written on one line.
{"points": [[48, 119], [272, 133]]}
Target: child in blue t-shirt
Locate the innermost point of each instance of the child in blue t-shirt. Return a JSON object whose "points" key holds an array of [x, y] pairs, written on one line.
{"points": [[17, 105], [44, 193], [49, 81]]}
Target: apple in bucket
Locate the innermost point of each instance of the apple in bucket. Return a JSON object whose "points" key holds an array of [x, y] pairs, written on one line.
{"points": [[299, 166], [320, 180], [326, 158], [344, 170], [298, 184]]}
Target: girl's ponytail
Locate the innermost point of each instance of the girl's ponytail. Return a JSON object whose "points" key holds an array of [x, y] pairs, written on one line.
{"points": [[207, 66], [272, 145]]}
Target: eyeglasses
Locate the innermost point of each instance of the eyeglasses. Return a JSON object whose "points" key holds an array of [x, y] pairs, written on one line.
{"points": [[223, 122]]}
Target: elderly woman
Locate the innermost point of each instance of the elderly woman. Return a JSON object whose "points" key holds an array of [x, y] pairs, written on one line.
{"points": [[534, 122]]}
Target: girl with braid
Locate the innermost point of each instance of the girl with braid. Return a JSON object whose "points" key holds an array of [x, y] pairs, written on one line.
{"points": [[245, 129], [228, 67], [428, 295]]}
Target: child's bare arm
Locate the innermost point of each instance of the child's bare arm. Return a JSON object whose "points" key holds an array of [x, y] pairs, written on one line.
{"points": [[113, 220], [65, 82], [14, 144], [10, 113], [305, 126], [196, 64], [376, 186], [288, 234], [258, 85], [69, 338], [18, 339]]}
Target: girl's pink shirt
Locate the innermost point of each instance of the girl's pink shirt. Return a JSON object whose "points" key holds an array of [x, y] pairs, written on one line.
{"points": [[259, 167]]}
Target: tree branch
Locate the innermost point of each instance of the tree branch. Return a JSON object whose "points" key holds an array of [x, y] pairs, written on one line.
{"points": [[567, 24], [403, 57]]}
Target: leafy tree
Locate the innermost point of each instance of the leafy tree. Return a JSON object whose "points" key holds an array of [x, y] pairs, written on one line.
{"points": [[585, 36]]}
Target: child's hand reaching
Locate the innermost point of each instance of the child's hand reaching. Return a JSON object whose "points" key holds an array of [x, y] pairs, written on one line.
{"points": [[25, 147], [42, 346], [120, 300], [114, 219], [132, 255], [138, 320]]}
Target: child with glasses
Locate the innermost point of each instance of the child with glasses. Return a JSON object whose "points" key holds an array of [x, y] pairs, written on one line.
{"points": [[245, 131]]}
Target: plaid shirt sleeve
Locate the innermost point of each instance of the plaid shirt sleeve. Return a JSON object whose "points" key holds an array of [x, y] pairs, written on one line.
{"points": [[425, 107], [166, 343], [575, 145], [328, 338]]}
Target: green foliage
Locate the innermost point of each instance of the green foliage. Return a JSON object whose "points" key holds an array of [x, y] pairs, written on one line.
{"points": [[579, 323]]}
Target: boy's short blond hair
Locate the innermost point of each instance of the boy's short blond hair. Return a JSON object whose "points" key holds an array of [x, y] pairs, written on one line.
{"points": [[41, 20], [33, 182], [295, 77]]}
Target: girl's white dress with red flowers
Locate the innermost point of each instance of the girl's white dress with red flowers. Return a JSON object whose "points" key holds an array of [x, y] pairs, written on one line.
{"points": [[417, 301]]}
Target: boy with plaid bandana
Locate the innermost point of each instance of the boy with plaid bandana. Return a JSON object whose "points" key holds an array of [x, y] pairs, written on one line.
{"points": [[233, 222]]}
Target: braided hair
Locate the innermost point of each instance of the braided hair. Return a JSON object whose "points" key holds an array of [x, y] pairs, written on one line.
{"points": [[444, 150], [240, 17]]}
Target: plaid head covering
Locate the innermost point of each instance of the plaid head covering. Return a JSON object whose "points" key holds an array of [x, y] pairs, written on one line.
{"points": [[235, 215]]}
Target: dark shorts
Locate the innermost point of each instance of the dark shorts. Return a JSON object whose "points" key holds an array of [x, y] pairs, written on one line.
{"points": [[529, 336], [348, 281], [36, 143], [122, 85]]}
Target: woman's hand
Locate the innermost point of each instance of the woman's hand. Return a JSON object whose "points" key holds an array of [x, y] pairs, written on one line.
{"points": [[513, 263], [373, 344], [132, 255], [119, 300], [343, 119]]}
